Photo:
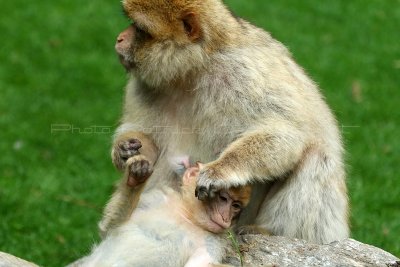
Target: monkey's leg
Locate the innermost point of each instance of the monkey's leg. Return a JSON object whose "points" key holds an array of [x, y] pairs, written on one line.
{"points": [[310, 204], [125, 198], [120, 207], [264, 154]]}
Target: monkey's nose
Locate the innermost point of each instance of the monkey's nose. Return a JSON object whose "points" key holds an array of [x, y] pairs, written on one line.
{"points": [[120, 39]]}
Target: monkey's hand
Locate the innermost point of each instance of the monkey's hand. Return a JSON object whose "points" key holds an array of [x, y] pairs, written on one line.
{"points": [[138, 169], [213, 177], [123, 150]]}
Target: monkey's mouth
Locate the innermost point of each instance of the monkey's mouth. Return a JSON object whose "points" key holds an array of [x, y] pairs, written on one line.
{"points": [[126, 62], [216, 227]]}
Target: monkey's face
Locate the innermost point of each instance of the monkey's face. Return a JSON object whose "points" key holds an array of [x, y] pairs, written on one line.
{"points": [[217, 214], [222, 210], [163, 42]]}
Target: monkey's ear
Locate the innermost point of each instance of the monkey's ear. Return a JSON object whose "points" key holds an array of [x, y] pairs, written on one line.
{"points": [[199, 165], [190, 176], [191, 25]]}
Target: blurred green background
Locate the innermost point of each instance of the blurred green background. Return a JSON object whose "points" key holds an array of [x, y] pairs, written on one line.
{"points": [[58, 66]]}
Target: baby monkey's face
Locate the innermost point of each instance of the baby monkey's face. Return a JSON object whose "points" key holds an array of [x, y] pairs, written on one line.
{"points": [[216, 214]]}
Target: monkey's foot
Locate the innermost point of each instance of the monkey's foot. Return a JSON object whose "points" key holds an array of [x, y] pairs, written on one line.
{"points": [[123, 150], [139, 170]]}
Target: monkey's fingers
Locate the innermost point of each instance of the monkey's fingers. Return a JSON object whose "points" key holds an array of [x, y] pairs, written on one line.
{"points": [[209, 182], [203, 193], [139, 171], [134, 144], [130, 144], [144, 170], [129, 148]]}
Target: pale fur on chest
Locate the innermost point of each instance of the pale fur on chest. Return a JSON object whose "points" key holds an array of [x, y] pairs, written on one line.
{"points": [[163, 234], [206, 118]]}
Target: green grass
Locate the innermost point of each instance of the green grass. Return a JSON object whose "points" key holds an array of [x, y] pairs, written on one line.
{"points": [[235, 244], [57, 66]]}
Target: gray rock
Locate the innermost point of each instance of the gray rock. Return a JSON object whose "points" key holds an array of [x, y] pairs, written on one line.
{"points": [[276, 251], [7, 260], [258, 250]]}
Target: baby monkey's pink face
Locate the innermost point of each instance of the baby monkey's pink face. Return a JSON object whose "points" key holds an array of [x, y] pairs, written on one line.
{"points": [[214, 215]]}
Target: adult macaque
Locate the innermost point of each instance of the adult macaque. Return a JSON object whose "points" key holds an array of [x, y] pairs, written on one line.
{"points": [[211, 85], [171, 228]]}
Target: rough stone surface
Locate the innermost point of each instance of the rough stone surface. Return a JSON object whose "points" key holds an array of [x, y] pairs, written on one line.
{"points": [[275, 251], [258, 250], [7, 260]]}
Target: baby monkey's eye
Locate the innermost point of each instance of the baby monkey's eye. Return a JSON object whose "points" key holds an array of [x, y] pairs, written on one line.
{"points": [[222, 198], [237, 206]]}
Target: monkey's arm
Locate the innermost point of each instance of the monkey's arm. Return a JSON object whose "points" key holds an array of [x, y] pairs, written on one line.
{"points": [[262, 154]]}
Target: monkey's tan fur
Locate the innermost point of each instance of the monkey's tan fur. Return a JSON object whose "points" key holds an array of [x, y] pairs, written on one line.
{"points": [[213, 86]]}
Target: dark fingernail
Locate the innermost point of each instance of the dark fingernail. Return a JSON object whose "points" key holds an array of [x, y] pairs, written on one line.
{"points": [[202, 193], [135, 146], [212, 191], [143, 173], [211, 194]]}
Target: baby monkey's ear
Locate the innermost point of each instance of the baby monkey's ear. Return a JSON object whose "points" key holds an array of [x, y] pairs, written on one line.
{"points": [[199, 165], [191, 25], [190, 176]]}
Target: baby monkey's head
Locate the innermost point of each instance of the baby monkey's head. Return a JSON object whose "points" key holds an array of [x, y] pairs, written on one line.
{"points": [[217, 214], [168, 41]]}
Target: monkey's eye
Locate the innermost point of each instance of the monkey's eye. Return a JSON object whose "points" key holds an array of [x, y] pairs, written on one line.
{"points": [[141, 33], [237, 206], [223, 198]]}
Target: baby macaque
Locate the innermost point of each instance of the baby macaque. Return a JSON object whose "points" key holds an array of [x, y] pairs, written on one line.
{"points": [[172, 228]]}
